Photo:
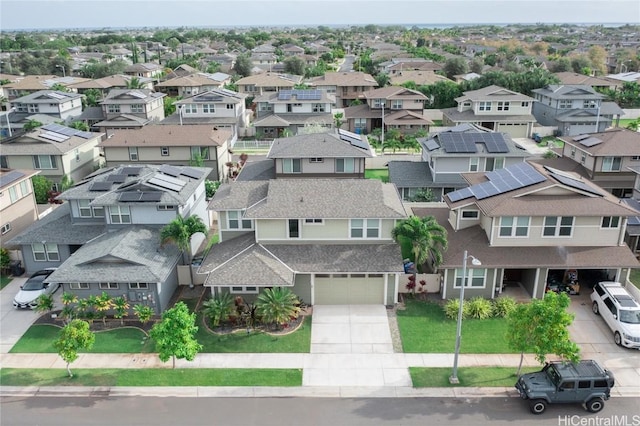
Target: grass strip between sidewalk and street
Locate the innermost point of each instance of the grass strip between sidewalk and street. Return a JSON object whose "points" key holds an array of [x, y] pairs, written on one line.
{"points": [[151, 377], [432, 377]]}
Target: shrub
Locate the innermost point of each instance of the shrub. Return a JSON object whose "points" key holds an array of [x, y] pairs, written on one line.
{"points": [[480, 308], [451, 309], [503, 306]]}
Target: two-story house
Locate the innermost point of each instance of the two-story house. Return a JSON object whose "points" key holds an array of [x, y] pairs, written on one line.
{"points": [[106, 84], [574, 109], [346, 86], [106, 236], [147, 70], [189, 85], [392, 106], [494, 108], [220, 108], [55, 150], [130, 109], [260, 84], [448, 154], [18, 209], [291, 110], [528, 224], [59, 105], [19, 86], [329, 240], [170, 144]]}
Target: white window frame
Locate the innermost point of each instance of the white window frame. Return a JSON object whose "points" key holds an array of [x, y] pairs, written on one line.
{"points": [[312, 221], [98, 211], [589, 104], [610, 222], [515, 225], [113, 108], [474, 164], [565, 104], [13, 194], [470, 215], [84, 209], [557, 226], [504, 105], [484, 106], [133, 153], [5, 228], [345, 165], [138, 286], [229, 106], [246, 289], [47, 252], [38, 162], [137, 108], [76, 153], [289, 165], [190, 109], [608, 164], [109, 286], [79, 286], [366, 228], [208, 108], [316, 160], [396, 104], [524, 104], [120, 212], [319, 107], [164, 151], [203, 151], [475, 276], [165, 207], [289, 234], [236, 216]]}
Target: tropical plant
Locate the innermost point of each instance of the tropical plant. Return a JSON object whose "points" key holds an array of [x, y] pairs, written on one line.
{"points": [[338, 119], [5, 259], [503, 306], [179, 232], [31, 125], [80, 125], [277, 305], [68, 298], [66, 182], [218, 308], [41, 188], [211, 187], [135, 83], [143, 312], [83, 306], [452, 306], [102, 304], [175, 334], [120, 308], [427, 237], [423, 195], [479, 308], [44, 303], [73, 337]]}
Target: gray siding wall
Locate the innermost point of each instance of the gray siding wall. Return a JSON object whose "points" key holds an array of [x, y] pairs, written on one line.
{"points": [[469, 292], [167, 289], [30, 265], [302, 287], [94, 289]]}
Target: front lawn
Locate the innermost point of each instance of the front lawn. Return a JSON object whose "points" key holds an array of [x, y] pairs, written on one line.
{"points": [[425, 329], [423, 377], [381, 174], [151, 377], [4, 281]]}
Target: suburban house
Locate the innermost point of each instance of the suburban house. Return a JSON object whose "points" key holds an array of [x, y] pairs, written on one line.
{"points": [[494, 108], [105, 84], [346, 86], [398, 66], [19, 86], [219, 108], [55, 150], [291, 110], [260, 84], [130, 109], [574, 109], [632, 236], [18, 209], [193, 84], [401, 108], [420, 78], [170, 144], [447, 154], [528, 224], [60, 105], [146, 70], [106, 236], [328, 240], [573, 78]]}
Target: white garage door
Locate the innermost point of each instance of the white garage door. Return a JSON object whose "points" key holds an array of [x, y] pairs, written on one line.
{"points": [[514, 130], [349, 291]]}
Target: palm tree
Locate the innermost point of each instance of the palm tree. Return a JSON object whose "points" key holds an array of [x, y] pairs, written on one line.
{"points": [[277, 305], [45, 303], [179, 232], [427, 237], [143, 312], [218, 308], [135, 83], [102, 304], [121, 308], [31, 124]]}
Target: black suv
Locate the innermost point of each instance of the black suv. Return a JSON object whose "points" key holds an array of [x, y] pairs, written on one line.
{"points": [[564, 382]]}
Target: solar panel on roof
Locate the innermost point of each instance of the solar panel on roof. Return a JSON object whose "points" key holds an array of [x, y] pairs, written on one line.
{"points": [[460, 194], [130, 196], [580, 137], [131, 171], [55, 95], [167, 182], [589, 142], [170, 170], [86, 135], [117, 178], [55, 137], [12, 176], [136, 94], [575, 183], [192, 173], [152, 196], [100, 186], [457, 143], [432, 144]]}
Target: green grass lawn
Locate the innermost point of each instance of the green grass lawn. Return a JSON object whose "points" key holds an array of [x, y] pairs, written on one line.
{"points": [[634, 277], [151, 377], [425, 329], [39, 339], [4, 281], [423, 377], [382, 174], [624, 122]]}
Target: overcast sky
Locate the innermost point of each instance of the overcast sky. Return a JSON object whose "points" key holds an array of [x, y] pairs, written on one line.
{"points": [[60, 14]]}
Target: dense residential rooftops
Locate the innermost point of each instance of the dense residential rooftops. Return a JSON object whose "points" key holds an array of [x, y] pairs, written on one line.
{"points": [[168, 135], [47, 96], [577, 91], [493, 92], [42, 141], [321, 145], [355, 78], [132, 96], [270, 80], [611, 142]]}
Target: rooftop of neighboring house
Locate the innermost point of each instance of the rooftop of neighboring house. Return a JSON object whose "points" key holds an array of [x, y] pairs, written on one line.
{"points": [[343, 79], [493, 92], [29, 82], [421, 78], [268, 79], [620, 142], [157, 135], [50, 139], [469, 140], [196, 80], [573, 91], [626, 76], [334, 144], [131, 96], [296, 95], [216, 95], [109, 82], [143, 67], [9, 177], [573, 78], [47, 96], [393, 92]]}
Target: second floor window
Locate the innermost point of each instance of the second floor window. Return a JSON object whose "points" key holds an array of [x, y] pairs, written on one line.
{"points": [[514, 226], [557, 226], [484, 106], [133, 153], [316, 160], [473, 164], [610, 221], [504, 106], [494, 164], [590, 104], [120, 214], [611, 164], [565, 104], [199, 152], [524, 104], [84, 210], [235, 220], [291, 165], [44, 162], [364, 228], [396, 104], [208, 108], [137, 108], [113, 108], [345, 165], [5, 228], [190, 109], [318, 108], [164, 151]]}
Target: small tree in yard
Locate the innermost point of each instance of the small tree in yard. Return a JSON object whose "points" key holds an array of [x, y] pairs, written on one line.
{"points": [[143, 312], [45, 303], [541, 327], [73, 337], [102, 304], [120, 308], [175, 334]]}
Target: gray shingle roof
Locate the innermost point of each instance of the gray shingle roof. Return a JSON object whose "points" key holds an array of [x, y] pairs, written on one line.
{"points": [[569, 91], [33, 144], [238, 195], [323, 145], [276, 120], [410, 174], [469, 115], [493, 92], [132, 254], [329, 198], [257, 170]]}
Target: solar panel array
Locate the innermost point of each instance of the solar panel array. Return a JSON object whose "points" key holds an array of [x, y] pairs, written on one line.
{"points": [[140, 196], [117, 178], [136, 94], [575, 183], [580, 137], [167, 182], [432, 144], [7, 178], [170, 170], [131, 171], [500, 181], [56, 95], [67, 131], [632, 220], [300, 94], [52, 136], [466, 142], [353, 138], [589, 142], [192, 173], [101, 186]]}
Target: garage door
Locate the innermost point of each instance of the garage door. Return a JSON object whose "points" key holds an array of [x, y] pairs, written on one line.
{"points": [[349, 291], [515, 130]]}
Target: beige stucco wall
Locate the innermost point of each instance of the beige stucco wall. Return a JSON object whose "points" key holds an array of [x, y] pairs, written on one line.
{"points": [[330, 230]]}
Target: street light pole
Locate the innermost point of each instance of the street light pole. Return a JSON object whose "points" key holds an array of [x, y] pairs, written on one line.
{"points": [[382, 134], [454, 375], [64, 70]]}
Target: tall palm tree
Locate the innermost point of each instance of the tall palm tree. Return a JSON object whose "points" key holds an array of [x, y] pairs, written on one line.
{"points": [[428, 239], [135, 83], [179, 232]]}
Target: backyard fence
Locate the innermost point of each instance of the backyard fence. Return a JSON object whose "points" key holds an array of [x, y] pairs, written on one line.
{"points": [[252, 145]]}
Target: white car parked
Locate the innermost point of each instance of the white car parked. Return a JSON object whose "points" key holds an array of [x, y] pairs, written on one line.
{"points": [[27, 297], [620, 311]]}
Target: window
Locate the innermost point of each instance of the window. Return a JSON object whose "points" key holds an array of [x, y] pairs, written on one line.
{"points": [[208, 108], [568, 385], [583, 158], [514, 226], [109, 286], [120, 214], [33, 108], [137, 108], [291, 165], [503, 105], [345, 165], [360, 125], [565, 104], [492, 164], [199, 152], [573, 152], [611, 164], [293, 228], [610, 222], [133, 153], [235, 221], [243, 289], [98, 211], [44, 162], [113, 108], [45, 252], [76, 153], [5, 228], [165, 207], [470, 214], [555, 226], [319, 108], [635, 158], [164, 151], [79, 286], [378, 103], [313, 221], [229, 106], [484, 106], [138, 286], [13, 194], [365, 228], [588, 104], [473, 164], [584, 384], [24, 188], [84, 209], [316, 160], [474, 278], [190, 109], [396, 104], [524, 104]]}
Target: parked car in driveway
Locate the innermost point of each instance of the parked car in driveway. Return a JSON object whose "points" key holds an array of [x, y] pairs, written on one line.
{"points": [[34, 287], [619, 310]]}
